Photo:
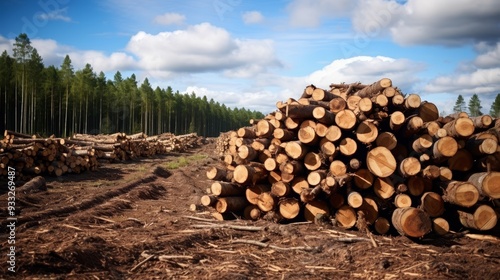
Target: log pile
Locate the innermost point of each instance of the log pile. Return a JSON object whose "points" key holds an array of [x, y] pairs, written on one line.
{"points": [[31, 155], [362, 155]]}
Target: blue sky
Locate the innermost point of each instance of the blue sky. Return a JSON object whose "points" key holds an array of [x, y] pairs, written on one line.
{"points": [[254, 53]]}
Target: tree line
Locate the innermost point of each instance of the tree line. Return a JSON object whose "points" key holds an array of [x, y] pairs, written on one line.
{"points": [[62, 101], [474, 106]]}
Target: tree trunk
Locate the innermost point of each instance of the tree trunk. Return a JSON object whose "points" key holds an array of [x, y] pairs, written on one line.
{"points": [[483, 218], [487, 183], [464, 194], [374, 88], [226, 189], [231, 204], [411, 222]]}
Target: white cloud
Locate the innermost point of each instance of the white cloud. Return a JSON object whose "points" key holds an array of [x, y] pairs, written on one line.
{"points": [[59, 14], [367, 69], [306, 13], [252, 17], [6, 44], [412, 22], [373, 18], [170, 18], [269, 88], [481, 76], [490, 56], [480, 81], [202, 48], [53, 54], [447, 22]]}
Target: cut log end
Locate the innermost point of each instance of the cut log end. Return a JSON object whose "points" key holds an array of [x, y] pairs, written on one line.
{"points": [[411, 222]]}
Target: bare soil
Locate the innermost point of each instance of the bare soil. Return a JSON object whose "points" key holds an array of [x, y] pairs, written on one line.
{"points": [[131, 221]]}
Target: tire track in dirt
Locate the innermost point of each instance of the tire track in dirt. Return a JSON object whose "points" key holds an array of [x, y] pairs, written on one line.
{"points": [[93, 202]]}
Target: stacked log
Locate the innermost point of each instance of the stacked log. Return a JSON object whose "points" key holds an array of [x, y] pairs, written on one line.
{"points": [[364, 151], [31, 155]]}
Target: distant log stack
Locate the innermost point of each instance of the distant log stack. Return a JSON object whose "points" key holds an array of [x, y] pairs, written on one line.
{"points": [[365, 149], [31, 156]]}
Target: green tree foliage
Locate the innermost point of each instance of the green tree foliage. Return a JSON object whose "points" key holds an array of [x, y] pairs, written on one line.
{"points": [[475, 106], [22, 54], [495, 107], [459, 105], [66, 74], [63, 100]]}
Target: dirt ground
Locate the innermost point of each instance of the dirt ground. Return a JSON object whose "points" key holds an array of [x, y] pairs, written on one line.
{"points": [[132, 221]]}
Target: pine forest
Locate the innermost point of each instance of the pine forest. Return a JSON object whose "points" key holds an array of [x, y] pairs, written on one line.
{"points": [[48, 100]]}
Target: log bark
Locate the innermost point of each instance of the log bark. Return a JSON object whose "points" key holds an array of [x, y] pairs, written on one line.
{"points": [[411, 222], [246, 132], [246, 174], [483, 218], [226, 189], [464, 194], [444, 148], [461, 127], [283, 134], [478, 147], [487, 183], [36, 184], [482, 122], [323, 116], [231, 204], [216, 174], [208, 200], [374, 88]]}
